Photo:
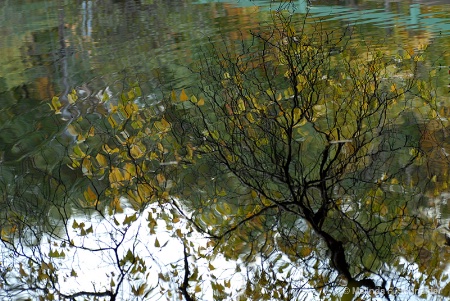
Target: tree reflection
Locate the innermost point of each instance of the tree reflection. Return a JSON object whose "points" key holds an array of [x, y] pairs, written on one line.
{"points": [[294, 170]]}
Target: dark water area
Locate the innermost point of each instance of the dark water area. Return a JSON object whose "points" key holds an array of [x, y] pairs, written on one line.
{"points": [[48, 48]]}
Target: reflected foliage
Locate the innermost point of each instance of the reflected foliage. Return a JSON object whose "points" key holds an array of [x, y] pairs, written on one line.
{"points": [[295, 170], [320, 141]]}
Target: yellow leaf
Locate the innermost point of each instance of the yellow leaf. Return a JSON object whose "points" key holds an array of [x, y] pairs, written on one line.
{"points": [[250, 118], [109, 150], [56, 104], [87, 166], [241, 105], [305, 251], [215, 134], [270, 92], [153, 156], [183, 96], [91, 132], [297, 114], [173, 95], [90, 195], [101, 160], [393, 88], [77, 151], [194, 99], [71, 99], [319, 110], [165, 124], [131, 95], [160, 147], [162, 125], [433, 73], [201, 102], [137, 91], [287, 94], [136, 152], [161, 179], [221, 192], [157, 243], [115, 176], [112, 121], [279, 97], [130, 109], [105, 97]]}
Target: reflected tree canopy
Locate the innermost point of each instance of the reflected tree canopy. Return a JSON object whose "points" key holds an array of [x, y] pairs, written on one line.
{"points": [[300, 166]]}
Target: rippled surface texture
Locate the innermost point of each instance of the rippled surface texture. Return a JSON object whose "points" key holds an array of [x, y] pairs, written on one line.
{"points": [[80, 80]]}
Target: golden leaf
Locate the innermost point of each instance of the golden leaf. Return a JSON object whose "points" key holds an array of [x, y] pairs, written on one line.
{"points": [[90, 195], [101, 160], [183, 96], [393, 88], [56, 104], [22, 271], [161, 179], [112, 121], [173, 95], [136, 152], [115, 176]]}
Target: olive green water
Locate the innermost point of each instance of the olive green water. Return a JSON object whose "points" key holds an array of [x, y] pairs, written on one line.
{"points": [[50, 47]]}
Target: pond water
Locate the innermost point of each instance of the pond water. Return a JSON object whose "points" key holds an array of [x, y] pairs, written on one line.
{"points": [[51, 47]]}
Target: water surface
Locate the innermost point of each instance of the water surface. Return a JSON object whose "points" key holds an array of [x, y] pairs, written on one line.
{"points": [[51, 47]]}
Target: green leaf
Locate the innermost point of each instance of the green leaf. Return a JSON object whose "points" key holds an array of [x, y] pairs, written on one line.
{"points": [[445, 292], [75, 224], [53, 253]]}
